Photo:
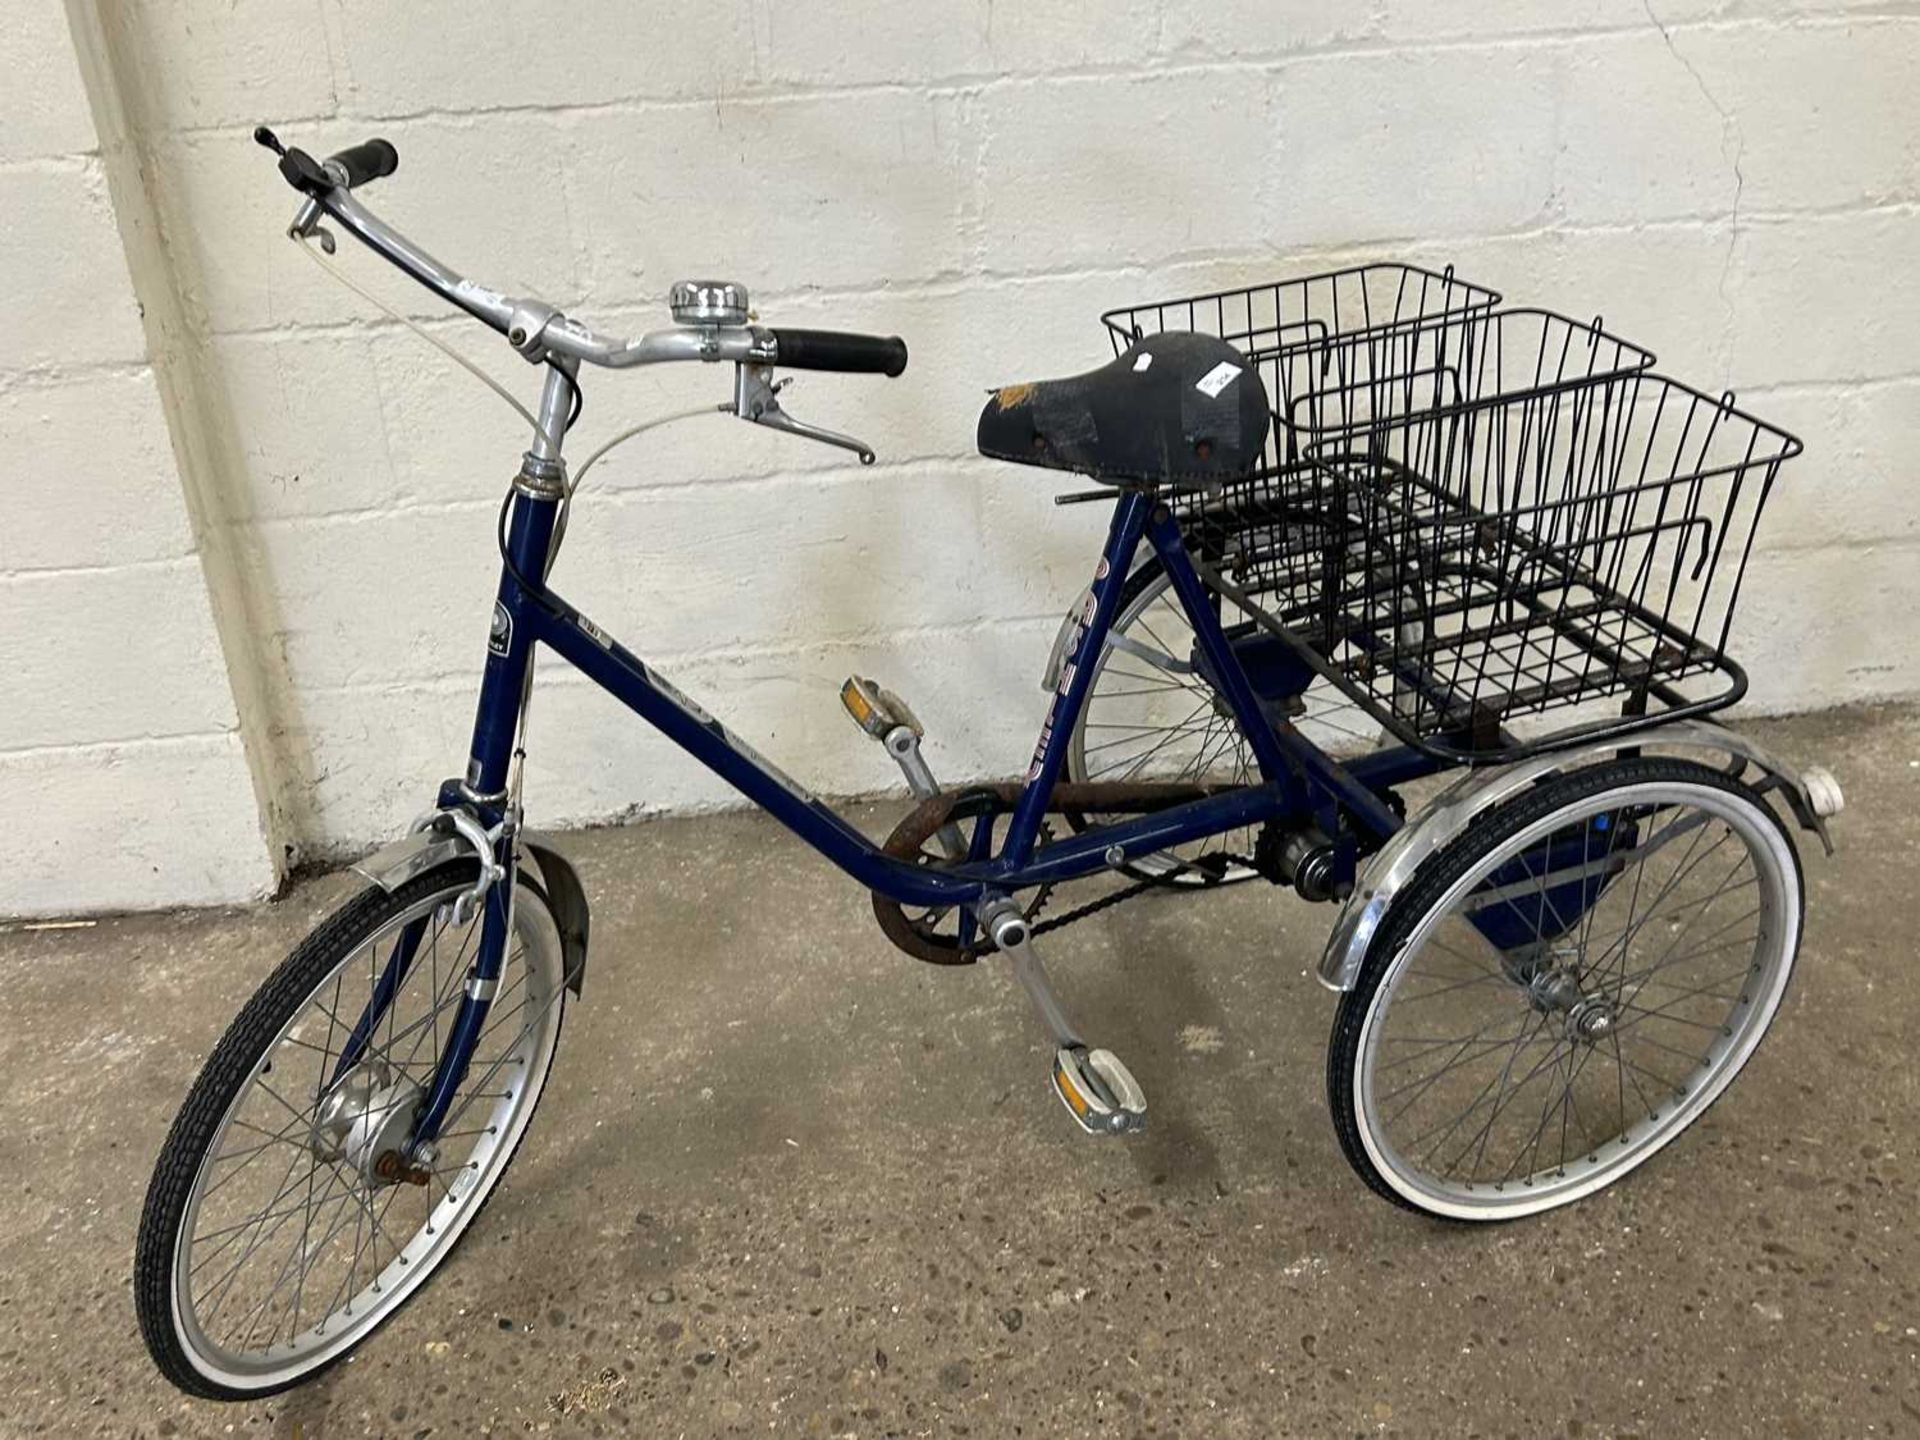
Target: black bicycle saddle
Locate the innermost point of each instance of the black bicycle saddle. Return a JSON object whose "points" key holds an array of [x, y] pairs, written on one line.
{"points": [[1176, 409]]}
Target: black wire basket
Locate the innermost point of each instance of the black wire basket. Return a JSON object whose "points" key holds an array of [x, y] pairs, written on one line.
{"points": [[1377, 299], [1472, 517], [1331, 338], [1356, 380]]}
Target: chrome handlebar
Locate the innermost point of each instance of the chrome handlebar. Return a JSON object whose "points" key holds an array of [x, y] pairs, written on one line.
{"points": [[537, 330], [543, 335]]}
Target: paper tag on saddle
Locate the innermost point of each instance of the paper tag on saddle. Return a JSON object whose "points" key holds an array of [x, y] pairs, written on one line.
{"points": [[1217, 379]]}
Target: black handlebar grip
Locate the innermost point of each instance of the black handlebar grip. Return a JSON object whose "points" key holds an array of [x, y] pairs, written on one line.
{"points": [[838, 350], [371, 161]]}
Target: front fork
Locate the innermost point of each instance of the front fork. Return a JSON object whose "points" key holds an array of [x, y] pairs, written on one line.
{"points": [[479, 806], [469, 1021], [495, 731], [496, 889]]}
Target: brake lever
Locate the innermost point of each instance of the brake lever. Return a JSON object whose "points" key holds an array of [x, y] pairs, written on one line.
{"points": [[306, 222], [756, 397]]}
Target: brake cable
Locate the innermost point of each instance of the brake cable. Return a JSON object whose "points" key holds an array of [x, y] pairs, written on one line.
{"points": [[308, 247], [312, 250]]}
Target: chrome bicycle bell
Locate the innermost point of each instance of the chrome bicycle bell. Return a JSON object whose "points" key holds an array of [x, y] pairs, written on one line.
{"points": [[708, 302]]}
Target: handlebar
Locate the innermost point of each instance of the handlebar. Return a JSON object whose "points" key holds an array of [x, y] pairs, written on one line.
{"points": [[839, 350], [353, 166], [538, 330], [373, 160]]}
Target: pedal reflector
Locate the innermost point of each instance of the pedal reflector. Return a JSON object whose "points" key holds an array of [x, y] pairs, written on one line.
{"points": [[876, 709], [1099, 1092], [861, 697]]}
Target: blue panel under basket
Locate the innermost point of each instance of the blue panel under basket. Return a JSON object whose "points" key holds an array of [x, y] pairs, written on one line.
{"points": [[1575, 864]]}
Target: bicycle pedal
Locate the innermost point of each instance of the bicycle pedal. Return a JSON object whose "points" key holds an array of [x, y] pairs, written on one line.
{"points": [[876, 709], [1099, 1092]]}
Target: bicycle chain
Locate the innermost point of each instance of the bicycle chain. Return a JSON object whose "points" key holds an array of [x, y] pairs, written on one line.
{"points": [[1118, 897], [919, 827], [1094, 907]]}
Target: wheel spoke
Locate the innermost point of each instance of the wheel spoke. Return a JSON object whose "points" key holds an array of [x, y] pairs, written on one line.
{"points": [[1151, 714], [275, 1267], [1659, 971], [1500, 980], [1501, 1097]]}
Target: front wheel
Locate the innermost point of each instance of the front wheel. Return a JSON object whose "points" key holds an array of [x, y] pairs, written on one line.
{"points": [[1564, 988], [271, 1243]]}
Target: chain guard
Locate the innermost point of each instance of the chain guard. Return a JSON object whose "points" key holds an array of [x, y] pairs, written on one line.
{"points": [[911, 837]]}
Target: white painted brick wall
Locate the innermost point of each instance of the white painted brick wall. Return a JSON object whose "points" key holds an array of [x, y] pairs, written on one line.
{"points": [[104, 503], [121, 775], [45, 106], [1733, 182], [68, 294]]}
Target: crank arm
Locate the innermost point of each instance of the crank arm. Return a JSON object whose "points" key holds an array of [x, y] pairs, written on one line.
{"points": [[756, 397]]}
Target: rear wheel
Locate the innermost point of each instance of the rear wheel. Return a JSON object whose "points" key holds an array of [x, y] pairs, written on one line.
{"points": [[1151, 715], [271, 1243], [1565, 988]]}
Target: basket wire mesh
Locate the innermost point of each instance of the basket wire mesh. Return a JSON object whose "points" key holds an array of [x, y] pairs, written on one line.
{"points": [[1470, 516]]}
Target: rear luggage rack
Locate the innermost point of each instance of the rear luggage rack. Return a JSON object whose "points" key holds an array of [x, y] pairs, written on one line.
{"points": [[1471, 516]]}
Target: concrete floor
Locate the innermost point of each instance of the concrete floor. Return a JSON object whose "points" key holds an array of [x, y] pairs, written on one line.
{"points": [[789, 1181]]}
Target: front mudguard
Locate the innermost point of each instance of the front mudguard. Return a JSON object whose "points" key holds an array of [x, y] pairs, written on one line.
{"points": [[568, 900], [1812, 796], [394, 865]]}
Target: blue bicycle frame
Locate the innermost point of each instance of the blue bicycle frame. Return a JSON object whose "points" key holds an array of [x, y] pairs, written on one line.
{"points": [[1298, 784]]}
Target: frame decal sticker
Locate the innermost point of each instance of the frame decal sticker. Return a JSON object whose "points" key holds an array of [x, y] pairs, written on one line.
{"points": [[1076, 639], [725, 736], [593, 632]]}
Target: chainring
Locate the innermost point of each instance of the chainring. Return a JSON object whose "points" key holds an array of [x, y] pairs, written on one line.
{"points": [[933, 934]]}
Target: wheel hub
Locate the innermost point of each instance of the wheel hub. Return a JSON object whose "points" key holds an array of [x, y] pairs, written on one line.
{"points": [[364, 1121], [1590, 1020], [345, 1102], [1590, 1017]]}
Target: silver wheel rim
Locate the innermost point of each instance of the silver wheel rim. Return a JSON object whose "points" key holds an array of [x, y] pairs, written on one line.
{"points": [[1669, 1047], [235, 1286], [1115, 737]]}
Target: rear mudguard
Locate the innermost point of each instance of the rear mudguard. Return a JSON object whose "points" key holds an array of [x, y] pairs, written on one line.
{"points": [[393, 865], [1812, 796]]}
